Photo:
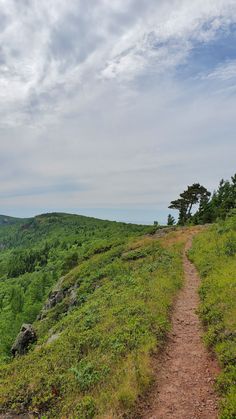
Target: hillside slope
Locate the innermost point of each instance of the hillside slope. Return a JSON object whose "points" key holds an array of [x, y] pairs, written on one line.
{"points": [[93, 345], [36, 252]]}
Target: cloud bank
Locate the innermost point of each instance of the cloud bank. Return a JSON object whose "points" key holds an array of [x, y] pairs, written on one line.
{"points": [[111, 108]]}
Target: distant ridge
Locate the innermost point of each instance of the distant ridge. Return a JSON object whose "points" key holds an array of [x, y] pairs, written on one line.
{"points": [[5, 219]]}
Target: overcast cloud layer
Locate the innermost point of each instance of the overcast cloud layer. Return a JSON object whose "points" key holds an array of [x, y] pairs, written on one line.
{"points": [[111, 107]]}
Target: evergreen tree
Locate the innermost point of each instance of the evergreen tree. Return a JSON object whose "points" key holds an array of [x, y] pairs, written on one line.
{"points": [[181, 206], [223, 200], [17, 299], [170, 220], [192, 195]]}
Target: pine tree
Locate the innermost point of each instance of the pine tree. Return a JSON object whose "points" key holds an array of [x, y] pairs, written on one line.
{"points": [[192, 195], [170, 220]]}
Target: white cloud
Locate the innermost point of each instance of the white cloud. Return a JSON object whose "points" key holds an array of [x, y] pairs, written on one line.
{"points": [[223, 72], [89, 96], [161, 36]]}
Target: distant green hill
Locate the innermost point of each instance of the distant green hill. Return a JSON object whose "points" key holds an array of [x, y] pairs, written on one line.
{"points": [[17, 232], [6, 220], [8, 227]]}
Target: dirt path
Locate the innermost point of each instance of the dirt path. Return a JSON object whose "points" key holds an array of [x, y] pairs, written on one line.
{"points": [[185, 374]]}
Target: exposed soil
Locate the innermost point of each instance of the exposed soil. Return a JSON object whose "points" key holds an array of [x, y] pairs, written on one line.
{"points": [[185, 372]]}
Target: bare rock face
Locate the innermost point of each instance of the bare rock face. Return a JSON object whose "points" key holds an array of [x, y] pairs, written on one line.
{"points": [[26, 336]]}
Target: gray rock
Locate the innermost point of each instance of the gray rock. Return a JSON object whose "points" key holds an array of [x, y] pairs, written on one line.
{"points": [[54, 298], [26, 336], [72, 297], [53, 337]]}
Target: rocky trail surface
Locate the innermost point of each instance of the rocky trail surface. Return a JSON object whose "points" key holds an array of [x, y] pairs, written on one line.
{"points": [[185, 372]]}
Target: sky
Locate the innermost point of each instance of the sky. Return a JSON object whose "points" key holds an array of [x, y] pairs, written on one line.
{"points": [[110, 108]]}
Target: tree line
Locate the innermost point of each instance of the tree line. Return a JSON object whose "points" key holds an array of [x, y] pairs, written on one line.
{"points": [[209, 207]]}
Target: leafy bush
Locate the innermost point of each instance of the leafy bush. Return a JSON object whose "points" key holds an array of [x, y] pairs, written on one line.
{"points": [[87, 375], [86, 408]]}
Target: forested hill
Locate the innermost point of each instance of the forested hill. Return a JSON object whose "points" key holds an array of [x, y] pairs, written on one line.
{"points": [[19, 232], [9, 226], [36, 252], [5, 220]]}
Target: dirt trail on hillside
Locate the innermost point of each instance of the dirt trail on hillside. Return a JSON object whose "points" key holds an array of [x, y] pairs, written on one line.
{"points": [[185, 372]]}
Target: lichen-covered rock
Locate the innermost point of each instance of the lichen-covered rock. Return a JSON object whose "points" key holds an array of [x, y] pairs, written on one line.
{"points": [[26, 336]]}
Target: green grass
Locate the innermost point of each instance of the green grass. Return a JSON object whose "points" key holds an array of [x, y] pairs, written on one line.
{"points": [[214, 254], [99, 362]]}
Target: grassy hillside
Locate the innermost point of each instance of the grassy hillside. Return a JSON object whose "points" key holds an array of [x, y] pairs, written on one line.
{"points": [[214, 253], [36, 252], [91, 358]]}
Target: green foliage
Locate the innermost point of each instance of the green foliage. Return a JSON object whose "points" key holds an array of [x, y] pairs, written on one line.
{"points": [[134, 254], [214, 254], [222, 203], [193, 195], [170, 220], [21, 300], [93, 359], [87, 375], [86, 408]]}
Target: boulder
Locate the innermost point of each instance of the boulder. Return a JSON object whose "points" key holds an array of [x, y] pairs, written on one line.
{"points": [[26, 336]]}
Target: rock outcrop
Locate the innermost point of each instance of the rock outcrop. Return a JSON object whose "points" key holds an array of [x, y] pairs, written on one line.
{"points": [[54, 298], [57, 296], [26, 336]]}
